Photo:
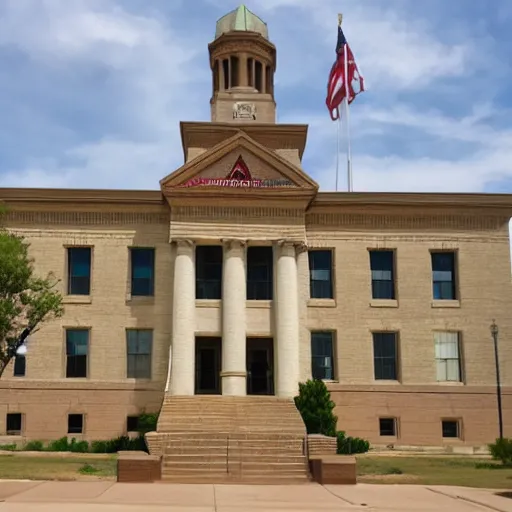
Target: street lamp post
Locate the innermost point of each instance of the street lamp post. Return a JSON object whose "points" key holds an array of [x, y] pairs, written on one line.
{"points": [[494, 333]]}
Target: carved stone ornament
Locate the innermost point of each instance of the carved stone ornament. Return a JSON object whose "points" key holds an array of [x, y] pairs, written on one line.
{"points": [[234, 243], [243, 110], [183, 242]]}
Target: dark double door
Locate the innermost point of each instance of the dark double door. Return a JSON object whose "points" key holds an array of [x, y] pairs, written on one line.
{"points": [[260, 366]]}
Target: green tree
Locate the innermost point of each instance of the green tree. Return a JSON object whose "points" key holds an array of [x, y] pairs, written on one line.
{"points": [[26, 300], [316, 408]]}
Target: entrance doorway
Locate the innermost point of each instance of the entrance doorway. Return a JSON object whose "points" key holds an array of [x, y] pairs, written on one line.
{"points": [[260, 366], [208, 366]]}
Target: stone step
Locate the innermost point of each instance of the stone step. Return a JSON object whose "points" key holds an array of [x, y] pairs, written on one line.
{"points": [[230, 479], [171, 458], [221, 465]]}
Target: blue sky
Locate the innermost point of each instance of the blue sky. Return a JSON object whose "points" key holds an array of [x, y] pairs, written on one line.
{"points": [[92, 91]]}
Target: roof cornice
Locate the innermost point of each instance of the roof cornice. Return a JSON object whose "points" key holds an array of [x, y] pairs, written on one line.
{"points": [[82, 196]]}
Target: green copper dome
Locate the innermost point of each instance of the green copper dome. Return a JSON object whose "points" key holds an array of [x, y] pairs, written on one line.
{"points": [[241, 19]]}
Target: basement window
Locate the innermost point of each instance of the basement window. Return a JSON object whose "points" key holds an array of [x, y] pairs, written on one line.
{"points": [[13, 424], [75, 423], [132, 423]]}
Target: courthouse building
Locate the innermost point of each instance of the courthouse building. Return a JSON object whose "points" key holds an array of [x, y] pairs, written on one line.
{"points": [[239, 277]]}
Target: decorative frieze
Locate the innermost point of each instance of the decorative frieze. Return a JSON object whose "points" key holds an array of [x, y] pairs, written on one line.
{"points": [[85, 218], [405, 222], [322, 239], [209, 212]]}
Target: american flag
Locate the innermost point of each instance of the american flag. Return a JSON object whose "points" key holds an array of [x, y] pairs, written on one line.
{"points": [[339, 85]]}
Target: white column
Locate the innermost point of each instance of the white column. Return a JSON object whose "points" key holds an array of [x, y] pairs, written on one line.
{"points": [[234, 371], [287, 321], [183, 320]]}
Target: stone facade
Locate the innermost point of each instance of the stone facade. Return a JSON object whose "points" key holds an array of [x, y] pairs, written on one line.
{"points": [[288, 214]]}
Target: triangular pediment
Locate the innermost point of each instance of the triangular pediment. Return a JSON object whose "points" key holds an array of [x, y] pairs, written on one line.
{"points": [[238, 163]]}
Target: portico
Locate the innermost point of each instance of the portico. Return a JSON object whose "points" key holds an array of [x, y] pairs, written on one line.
{"points": [[239, 361]]}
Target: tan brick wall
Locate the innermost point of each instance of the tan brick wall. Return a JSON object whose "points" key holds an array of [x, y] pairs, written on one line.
{"points": [[45, 397], [485, 293], [419, 411]]}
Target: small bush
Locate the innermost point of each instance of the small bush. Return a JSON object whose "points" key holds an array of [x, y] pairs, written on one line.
{"points": [[9, 447], [316, 408], [87, 469], [78, 446], [122, 443], [350, 445], [60, 445], [502, 450], [34, 446], [147, 423]]}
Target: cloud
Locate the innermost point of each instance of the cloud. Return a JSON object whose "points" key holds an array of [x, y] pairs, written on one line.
{"points": [[94, 90]]}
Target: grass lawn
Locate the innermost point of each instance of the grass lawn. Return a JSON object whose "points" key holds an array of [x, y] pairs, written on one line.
{"points": [[431, 470], [57, 468]]}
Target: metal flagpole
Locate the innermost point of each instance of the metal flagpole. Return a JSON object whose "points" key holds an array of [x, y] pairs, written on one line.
{"points": [[349, 148], [337, 151]]}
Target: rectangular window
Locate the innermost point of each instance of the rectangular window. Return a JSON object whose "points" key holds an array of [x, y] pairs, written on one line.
{"points": [[138, 346], [79, 270], [77, 348], [322, 355], [443, 275], [448, 361], [382, 265], [387, 427], [320, 275], [132, 423], [75, 423], [260, 273], [451, 429], [20, 366], [13, 424], [208, 271], [143, 272], [385, 355]]}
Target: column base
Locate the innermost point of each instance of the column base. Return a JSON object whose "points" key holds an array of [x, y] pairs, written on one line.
{"points": [[234, 383]]}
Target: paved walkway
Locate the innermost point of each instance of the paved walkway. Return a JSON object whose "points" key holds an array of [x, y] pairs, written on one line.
{"points": [[113, 497]]}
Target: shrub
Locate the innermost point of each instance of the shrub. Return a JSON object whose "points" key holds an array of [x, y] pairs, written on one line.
{"points": [[122, 443], [502, 450], [147, 423], [316, 408], [350, 445], [60, 445], [8, 447], [34, 446], [87, 469], [78, 446]]}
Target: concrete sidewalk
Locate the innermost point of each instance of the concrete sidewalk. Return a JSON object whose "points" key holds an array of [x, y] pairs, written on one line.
{"points": [[114, 497]]}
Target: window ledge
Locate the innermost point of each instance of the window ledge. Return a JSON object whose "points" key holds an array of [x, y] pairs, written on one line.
{"points": [[262, 304], [321, 303], [450, 383], [446, 303], [331, 381], [384, 303], [140, 299], [77, 299], [208, 303], [383, 382]]}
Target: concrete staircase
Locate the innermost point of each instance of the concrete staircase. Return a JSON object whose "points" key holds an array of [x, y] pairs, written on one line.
{"points": [[232, 439]]}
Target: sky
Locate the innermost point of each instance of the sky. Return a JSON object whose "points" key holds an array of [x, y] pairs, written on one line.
{"points": [[92, 91]]}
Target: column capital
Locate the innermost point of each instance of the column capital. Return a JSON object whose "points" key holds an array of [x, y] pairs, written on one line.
{"points": [[298, 246], [302, 247], [183, 242], [234, 243]]}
